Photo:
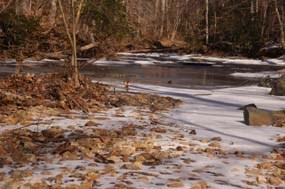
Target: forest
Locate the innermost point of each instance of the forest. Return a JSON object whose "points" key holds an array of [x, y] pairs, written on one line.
{"points": [[142, 94], [229, 26]]}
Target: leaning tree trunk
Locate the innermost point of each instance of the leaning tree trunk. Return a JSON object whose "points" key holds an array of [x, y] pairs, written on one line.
{"points": [[75, 75]]}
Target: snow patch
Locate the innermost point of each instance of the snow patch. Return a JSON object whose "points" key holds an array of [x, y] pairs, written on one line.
{"points": [[257, 75]]}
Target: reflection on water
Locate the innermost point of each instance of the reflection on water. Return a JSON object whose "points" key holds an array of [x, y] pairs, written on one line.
{"points": [[180, 76]]}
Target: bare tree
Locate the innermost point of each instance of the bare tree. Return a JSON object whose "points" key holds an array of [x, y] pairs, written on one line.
{"points": [[71, 23], [281, 24], [207, 21]]}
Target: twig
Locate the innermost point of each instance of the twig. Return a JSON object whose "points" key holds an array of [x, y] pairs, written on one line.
{"points": [[5, 7]]}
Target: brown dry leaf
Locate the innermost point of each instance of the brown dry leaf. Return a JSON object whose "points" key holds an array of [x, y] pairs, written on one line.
{"points": [[175, 185], [200, 185], [158, 130]]}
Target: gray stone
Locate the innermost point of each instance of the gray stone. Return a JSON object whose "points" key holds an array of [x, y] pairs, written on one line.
{"points": [[260, 117], [247, 106]]}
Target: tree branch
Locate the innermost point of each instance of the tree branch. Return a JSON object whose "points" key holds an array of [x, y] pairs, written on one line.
{"points": [[79, 12], [65, 22], [5, 7]]}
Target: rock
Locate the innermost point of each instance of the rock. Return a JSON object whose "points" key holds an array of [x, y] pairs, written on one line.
{"points": [[278, 88], [193, 132], [247, 106], [179, 148], [260, 117], [218, 139], [267, 82], [271, 51], [175, 185], [275, 181]]}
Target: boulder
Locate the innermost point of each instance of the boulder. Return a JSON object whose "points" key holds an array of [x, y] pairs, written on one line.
{"points": [[271, 51], [260, 117], [247, 106], [267, 82], [278, 88]]}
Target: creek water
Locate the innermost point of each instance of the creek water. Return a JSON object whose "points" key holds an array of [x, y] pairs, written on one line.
{"points": [[174, 74]]}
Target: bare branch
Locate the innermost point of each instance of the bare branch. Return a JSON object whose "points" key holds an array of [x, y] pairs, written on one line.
{"points": [[5, 7], [79, 12], [65, 23]]}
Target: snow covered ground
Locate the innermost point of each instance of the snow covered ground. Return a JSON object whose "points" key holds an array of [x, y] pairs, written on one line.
{"points": [[215, 113], [206, 143], [270, 74], [196, 58], [163, 58]]}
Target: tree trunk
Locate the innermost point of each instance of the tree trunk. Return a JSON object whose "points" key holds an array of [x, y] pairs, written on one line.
{"points": [[75, 75], [281, 25], [207, 22], [19, 63], [163, 11], [23, 7], [52, 12], [264, 20], [71, 31]]}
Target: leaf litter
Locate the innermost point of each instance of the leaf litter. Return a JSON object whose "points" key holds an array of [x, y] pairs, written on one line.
{"points": [[127, 147]]}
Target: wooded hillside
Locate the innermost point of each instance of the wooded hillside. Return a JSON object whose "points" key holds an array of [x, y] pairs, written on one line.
{"points": [[239, 27]]}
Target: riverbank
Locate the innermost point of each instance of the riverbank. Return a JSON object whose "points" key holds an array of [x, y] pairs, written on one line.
{"points": [[201, 143], [136, 139]]}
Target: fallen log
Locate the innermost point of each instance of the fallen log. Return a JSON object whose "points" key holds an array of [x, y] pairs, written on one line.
{"points": [[65, 53], [55, 55], [89, 46]]}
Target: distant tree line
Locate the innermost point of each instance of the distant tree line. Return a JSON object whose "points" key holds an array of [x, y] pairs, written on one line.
{"points": [[242, 26], [236, 26]]}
